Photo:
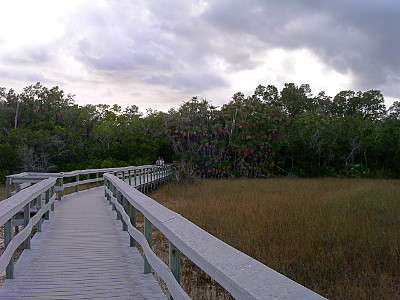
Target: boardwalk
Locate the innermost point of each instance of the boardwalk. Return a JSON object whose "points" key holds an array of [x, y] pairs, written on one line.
{"points": [[81, 254]]}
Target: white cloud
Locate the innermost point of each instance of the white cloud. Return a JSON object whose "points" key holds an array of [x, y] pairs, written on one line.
{"points": [[159, 53]]}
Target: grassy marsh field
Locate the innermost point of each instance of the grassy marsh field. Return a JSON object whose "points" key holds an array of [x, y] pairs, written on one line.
{"points": [[338, 237]]}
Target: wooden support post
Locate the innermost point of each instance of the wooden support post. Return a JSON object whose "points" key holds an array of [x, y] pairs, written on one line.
{"points": [[60, 182], [135, 176], [51, 195], [77, 183], [114, 195], [88, 184], [140, 179], [8, 187], [47, 197], [129, 177], [109, 188], [7, 239], [174, 261], [125, 206], [105, 189], [118, 196], [149, 237], [27, 216], [97, 179], [38, 207], [147, 181], [132, 216]]}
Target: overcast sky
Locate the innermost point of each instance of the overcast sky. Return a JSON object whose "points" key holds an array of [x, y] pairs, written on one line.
{"points": [[157, 54]]}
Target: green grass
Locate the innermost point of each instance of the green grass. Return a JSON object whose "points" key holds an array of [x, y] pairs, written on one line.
{"points": [[338, 237]]}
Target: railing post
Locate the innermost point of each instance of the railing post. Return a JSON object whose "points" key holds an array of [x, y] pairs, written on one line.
{"points": [[47, 197], [174, 261], [118, 196], [130, 177], [51, 195], [151, 178], [147, 180], [132, 217], [140, 179], [88, 184], [105, 188], [38, 207], [27, 216], [77, 183], [8, 187], [124, 205], [97, 179], [108, 188], [60, 184], [114, 195], [135, 176], [149, 237], [7, 239]]}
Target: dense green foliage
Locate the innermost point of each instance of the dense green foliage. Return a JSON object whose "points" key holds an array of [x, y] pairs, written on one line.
{"points": [[291, 132], [267, 133], [52, 133]]}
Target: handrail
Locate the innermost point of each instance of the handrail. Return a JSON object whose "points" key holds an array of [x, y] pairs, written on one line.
{"points": [[24, 179], [242, 276], [144, 177], [14, 204]]}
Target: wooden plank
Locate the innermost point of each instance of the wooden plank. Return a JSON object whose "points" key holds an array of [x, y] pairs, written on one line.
{"points": [[66, 262]]}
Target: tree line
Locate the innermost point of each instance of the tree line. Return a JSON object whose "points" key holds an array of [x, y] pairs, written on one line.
{"points": [[268, 133]]}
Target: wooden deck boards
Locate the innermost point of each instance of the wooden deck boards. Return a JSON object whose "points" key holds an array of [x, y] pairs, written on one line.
{"points": [[81, 254]]}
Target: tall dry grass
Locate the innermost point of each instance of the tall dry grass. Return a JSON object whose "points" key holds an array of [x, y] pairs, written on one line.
{"points": [[338, 237]]}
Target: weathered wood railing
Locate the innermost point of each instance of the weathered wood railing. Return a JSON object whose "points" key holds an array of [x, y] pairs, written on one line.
{"points": [[40, 195], [242, 276], [144, 178], [35, 194]]}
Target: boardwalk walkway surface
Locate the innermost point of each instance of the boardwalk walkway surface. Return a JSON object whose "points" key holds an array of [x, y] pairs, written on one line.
{"points": [[81, 254]]}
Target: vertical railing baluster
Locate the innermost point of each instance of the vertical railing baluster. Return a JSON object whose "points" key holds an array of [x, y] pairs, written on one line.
{"points": [[97, 179], [38, 207], [47, 197], [88, 184], [51, 195], [130, 177], [118, 196], [124, 205], [135, 176], [60, 182], [105, 188], [113, 195], [152, 178], [77, 183], [132, 216], [149, 237], [109, 189], [7, 239], [27, 216], [174, 261]]}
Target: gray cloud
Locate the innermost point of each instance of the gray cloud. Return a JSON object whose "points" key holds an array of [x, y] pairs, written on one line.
{"points": [[350, 36], [178, 46]]}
